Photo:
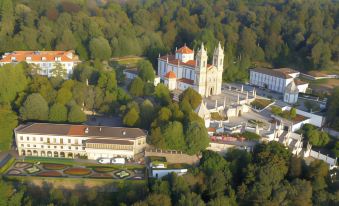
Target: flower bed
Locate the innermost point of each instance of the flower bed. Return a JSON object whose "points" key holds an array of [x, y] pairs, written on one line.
{"points": [[103, 169], [50, 174], [77, 171], [21, 165], [51, 166], [14, 172], [33, 169]]}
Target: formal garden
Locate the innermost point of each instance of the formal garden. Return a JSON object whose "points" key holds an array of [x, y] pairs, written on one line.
{"points": [[39, 169]]}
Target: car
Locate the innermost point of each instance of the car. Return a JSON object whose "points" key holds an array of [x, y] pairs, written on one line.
{"points": [[104, 161], [118, 160]]}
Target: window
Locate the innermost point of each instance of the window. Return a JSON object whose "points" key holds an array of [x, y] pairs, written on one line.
{"points": [[33, 138], [28, 145], [61, 141], [42, 146], [22, 145], [27, 138], [21, 138], [41, 139], [54, 140], [69, 147], [55, 147], [76, 148], [61, 147], [48, 146], [76, 141], [34, 145], [69, 141]]}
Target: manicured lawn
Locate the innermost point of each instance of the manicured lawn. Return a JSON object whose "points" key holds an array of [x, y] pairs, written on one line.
{"points": [[261, 103], [6, 166]]}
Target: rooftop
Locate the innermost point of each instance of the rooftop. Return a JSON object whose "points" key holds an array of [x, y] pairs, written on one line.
{"points": [[185, 50], [38, 56], [80, 130], [283, 73]]}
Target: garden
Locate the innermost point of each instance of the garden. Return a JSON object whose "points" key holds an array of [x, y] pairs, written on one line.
{"points": [[44, 169], [260, 103]]}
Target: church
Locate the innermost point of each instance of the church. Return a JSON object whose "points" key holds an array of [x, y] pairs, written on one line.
{"points": [[185, 69]]}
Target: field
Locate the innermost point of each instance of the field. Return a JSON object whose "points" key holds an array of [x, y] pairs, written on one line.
{"points": [[128, 61]]}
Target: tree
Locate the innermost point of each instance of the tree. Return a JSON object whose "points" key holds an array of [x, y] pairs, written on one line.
{"points": [[196, 138], [192, 97], [154, 200], [332, 107], [321, 55], [136, 88], [12, 81], [162, 94], [146, 71], [100, 49], [59, 70], [8, 121], [147, 113], [76, 115], [174, 136], [131, 118], [293, 113], [35, 107], [58, 113]]}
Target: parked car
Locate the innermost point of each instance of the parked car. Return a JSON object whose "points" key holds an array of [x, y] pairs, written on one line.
{"points": [[104, 161], [118, 160]]}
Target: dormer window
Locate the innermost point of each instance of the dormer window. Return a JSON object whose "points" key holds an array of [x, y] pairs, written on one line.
{"points": [[57, 58], [13, 58], [28, 58], [43, 58]]}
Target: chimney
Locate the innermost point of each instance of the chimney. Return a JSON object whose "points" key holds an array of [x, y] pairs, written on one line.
{"points": [[124, 133]]}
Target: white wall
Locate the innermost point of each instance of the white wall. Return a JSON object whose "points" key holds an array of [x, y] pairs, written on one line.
{"points": [[163, 172], [315, 119]]}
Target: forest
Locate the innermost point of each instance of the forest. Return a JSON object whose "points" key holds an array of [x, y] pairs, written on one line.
{"points": [[280, 33], [270, 175]]}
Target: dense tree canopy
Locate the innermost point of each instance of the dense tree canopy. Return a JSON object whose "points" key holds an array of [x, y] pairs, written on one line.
{"points": [[35, 107]]}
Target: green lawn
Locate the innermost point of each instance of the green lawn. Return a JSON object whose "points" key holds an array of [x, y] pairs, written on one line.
{"points": [[8, 164]]}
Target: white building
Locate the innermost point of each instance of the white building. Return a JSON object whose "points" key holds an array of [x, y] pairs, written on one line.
{"points": [[71, 141], [45, 60], [279, 80], [182, 70]]}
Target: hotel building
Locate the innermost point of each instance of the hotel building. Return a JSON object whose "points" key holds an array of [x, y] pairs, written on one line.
{"points": [[45, 60], [74, 141]]}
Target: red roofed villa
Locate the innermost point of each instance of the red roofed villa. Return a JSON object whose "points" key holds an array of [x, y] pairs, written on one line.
{"points": [[46, 60]]}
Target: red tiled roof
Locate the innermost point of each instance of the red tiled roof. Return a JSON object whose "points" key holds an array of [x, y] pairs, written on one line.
{"points": [[77, 130], [170, 75], [299, 82], [184, 50], [38, 56], [187, 81], [211, 129]]}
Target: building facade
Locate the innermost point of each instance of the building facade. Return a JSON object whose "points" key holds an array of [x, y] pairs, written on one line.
{"points": [[185, 69], [46, 61], [73, 141], [276, 79]]}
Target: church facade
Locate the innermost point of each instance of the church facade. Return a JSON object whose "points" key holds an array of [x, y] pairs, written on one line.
{"points": [[185, 69]]}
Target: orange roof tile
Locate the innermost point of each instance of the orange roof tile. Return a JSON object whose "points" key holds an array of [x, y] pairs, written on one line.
{"points": [[184, 50], [77, 130], [38, 56], [170, 75]]}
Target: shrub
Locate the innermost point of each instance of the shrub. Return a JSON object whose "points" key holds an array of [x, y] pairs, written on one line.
{"points": [[251, 136], [77, 171], [101, 175], [7, 165], [51, 166], [103, 169], [50, 174], [33, 169]]}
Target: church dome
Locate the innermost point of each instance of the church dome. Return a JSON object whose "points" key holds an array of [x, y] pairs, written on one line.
{"points": [[171, 75], [184, 50]]}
